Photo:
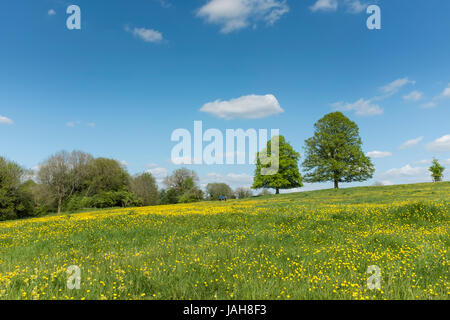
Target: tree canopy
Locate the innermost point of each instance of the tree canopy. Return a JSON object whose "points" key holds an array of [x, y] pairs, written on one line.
{"points": [[437, 171], [287, 176], [334, 153]]}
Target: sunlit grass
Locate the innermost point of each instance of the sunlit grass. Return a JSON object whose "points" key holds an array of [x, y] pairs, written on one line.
{"points": [[315, 245]]}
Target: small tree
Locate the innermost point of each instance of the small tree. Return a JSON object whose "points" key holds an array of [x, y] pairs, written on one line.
{"points": [[215, 190], [64, 174], [182, 186], [437, 171], [287, 176], [334, 153], [242, 193], [145, 188]]}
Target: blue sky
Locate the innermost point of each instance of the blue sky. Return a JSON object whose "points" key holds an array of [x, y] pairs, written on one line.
{"points": [[138, 70]]}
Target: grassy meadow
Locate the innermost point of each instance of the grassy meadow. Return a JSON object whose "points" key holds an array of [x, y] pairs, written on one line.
{"points": [[311, 245]]}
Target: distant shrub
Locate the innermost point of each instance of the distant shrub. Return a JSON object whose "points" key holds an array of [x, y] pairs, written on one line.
{"points": [[103, 200]]}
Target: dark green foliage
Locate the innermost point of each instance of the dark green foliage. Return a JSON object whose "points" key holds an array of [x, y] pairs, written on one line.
{"points": [[16, 198], [145, 188], [287, 176], [334, 153], [105, 175], [215, 190], [182, 187]]}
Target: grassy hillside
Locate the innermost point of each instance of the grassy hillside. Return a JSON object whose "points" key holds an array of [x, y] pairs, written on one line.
{"points": [[312, 245]]}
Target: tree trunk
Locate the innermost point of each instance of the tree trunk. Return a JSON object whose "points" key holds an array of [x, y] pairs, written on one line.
{"points": [[278, 191], [336, 184], [59, 204]]}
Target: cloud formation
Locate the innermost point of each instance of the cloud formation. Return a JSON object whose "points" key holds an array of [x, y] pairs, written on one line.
{"points": [[5, 120], [352, 6], [233, 15], [413, 96], [147, 35], [441, 144], [361, 107], [378, 154], [246, 107], [411, 143]]}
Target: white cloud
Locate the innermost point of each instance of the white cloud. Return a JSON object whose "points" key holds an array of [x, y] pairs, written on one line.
{"points": [[71, 124], [124, 163], [395, 86], [355, 6], [324, 5], [446, 92], [158, 172], [446, 162], [91, 124], [425, 161], [407, 171], [5, 120], [378, 154], [413, 96], [51, 12], [361, 107], [148, 35], [428, 105], [247, 107], [441, 144], [411, 143], [233, 15], [367, 107]]}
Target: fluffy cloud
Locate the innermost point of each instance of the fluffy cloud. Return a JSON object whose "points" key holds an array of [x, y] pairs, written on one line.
{"points": [[361, 107], [147, 35], [441, 144], [378, 154], [413, 96], [233, 15], [353, 6], [5, 120], [411, 143], [407, 171], [324, 5], [395, 86], [446, 92], [247, 107], [51, 12]]}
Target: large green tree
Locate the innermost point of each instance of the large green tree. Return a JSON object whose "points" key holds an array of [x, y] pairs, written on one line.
{"points": [[287, 176], [334, 153]]}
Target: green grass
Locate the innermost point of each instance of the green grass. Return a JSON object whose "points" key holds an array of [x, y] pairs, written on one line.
{"points": [[312, 245]]}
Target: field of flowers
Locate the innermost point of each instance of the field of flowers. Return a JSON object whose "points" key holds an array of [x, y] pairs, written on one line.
{"points": [[315, 245]]}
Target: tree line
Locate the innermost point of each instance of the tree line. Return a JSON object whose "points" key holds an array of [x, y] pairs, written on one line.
{"points": [[74, 181]]}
